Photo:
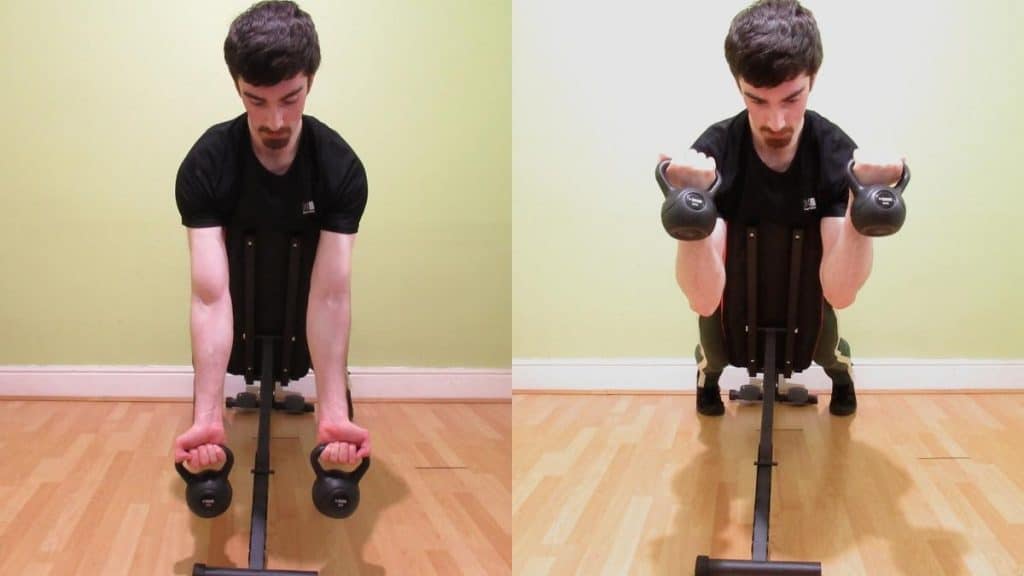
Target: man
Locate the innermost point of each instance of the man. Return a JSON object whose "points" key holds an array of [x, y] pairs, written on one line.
{"points": [[276, 170], [784, 163]]}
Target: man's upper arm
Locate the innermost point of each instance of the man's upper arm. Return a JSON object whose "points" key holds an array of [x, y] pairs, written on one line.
{"points": [[208, 262], [332, 267]]}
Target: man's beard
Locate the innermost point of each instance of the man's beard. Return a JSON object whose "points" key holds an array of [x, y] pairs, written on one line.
{"points": [[275, 140], [777, 139]]}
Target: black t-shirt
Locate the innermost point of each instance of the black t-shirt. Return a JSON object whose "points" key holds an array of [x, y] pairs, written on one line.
{"points": [[220, 164], [813, 187]]}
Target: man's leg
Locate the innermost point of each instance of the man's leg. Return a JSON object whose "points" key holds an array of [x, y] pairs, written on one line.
{"points": [[833, 354], [711, 361]]}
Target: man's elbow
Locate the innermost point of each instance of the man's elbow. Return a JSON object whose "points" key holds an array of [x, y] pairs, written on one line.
{"points": [[705, 307], [703, 300], [335, 292], [209, 295], [839, 299]]}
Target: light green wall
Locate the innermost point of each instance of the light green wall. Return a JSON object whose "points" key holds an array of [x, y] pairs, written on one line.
{"points": [[472, 167], [101, 101], [600, 88]]}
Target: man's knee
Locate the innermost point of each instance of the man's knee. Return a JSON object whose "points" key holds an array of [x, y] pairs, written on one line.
{"points": [[834, 357]]}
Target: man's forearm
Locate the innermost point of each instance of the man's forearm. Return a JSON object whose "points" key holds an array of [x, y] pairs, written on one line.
{"points": [[846, 267], [212, 335], [328, 321], [700, 270]]}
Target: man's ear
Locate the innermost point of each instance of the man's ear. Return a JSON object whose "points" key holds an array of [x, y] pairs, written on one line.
{"points": [[309, 83], [811, 86]]}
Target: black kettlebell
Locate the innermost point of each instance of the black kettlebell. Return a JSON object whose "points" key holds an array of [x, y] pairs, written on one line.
{"points": [[336, 492], [688, 214], [208, 493], [878, 210]]}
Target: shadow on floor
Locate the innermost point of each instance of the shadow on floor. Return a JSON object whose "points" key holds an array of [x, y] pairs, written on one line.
{"points": [[851, 472]]}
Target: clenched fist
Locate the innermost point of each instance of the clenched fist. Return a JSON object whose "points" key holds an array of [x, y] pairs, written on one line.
{"points": [[872, 168], [691, 169]]}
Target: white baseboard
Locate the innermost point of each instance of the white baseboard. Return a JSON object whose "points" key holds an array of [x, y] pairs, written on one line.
{"points": [[527, 374], [175, 383], [678, 375]]}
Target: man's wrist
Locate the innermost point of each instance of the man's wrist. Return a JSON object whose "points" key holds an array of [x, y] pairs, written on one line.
{"points": [[208, 415], [332, 410]]}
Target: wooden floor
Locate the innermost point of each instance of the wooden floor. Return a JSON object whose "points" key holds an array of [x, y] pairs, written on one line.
{"points": [[88, 488], [912, 485]]}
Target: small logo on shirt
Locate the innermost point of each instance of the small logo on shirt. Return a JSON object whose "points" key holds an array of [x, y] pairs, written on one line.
{"points": [[308, 208], [810, 205]]}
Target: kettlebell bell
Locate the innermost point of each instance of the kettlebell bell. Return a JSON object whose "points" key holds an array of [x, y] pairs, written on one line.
{"points": [[208, 493], [688, 214], [878, 210], [336, 492]]}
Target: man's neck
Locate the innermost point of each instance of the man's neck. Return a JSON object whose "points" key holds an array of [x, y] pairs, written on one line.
{"points": [[278, 161], [777, 159]]}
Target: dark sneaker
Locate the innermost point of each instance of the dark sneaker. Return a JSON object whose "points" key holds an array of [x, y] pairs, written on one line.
{"points": [[709, 398], [844, 398]]}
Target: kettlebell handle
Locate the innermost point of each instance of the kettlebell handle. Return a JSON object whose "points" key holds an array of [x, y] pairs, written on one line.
{"points": [[860, 188], [669, 190], [190, 478], [355, 475]]}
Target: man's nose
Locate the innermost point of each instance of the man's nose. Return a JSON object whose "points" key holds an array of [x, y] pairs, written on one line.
{"points": [[776, 120], [275, 120]]}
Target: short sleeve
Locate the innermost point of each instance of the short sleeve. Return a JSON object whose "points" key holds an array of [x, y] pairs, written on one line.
{"points": [[836, 150], [712, 142], [195, 187], [721, 141], [342, 208], [341, 200]]}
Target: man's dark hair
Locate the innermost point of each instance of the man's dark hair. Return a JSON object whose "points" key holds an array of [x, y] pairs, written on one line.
{"points": [[772, 41], [270, 42]]}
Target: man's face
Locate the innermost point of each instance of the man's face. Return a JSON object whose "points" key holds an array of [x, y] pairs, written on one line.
{"points": [[275, 112], [777, 113]]}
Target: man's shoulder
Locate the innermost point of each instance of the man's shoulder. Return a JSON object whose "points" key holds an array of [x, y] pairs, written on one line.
{"points": [[219, 142], [205, 176], [341, 197], [832, 151], [732, 126], [824, 129], [739, 120], [327, 139], [724, 135], [334, 154]]}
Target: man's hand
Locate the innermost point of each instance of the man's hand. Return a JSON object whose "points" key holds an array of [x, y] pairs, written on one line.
{"points": [[871, 168], [691, 169], [346, 442], [199, 447]]}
